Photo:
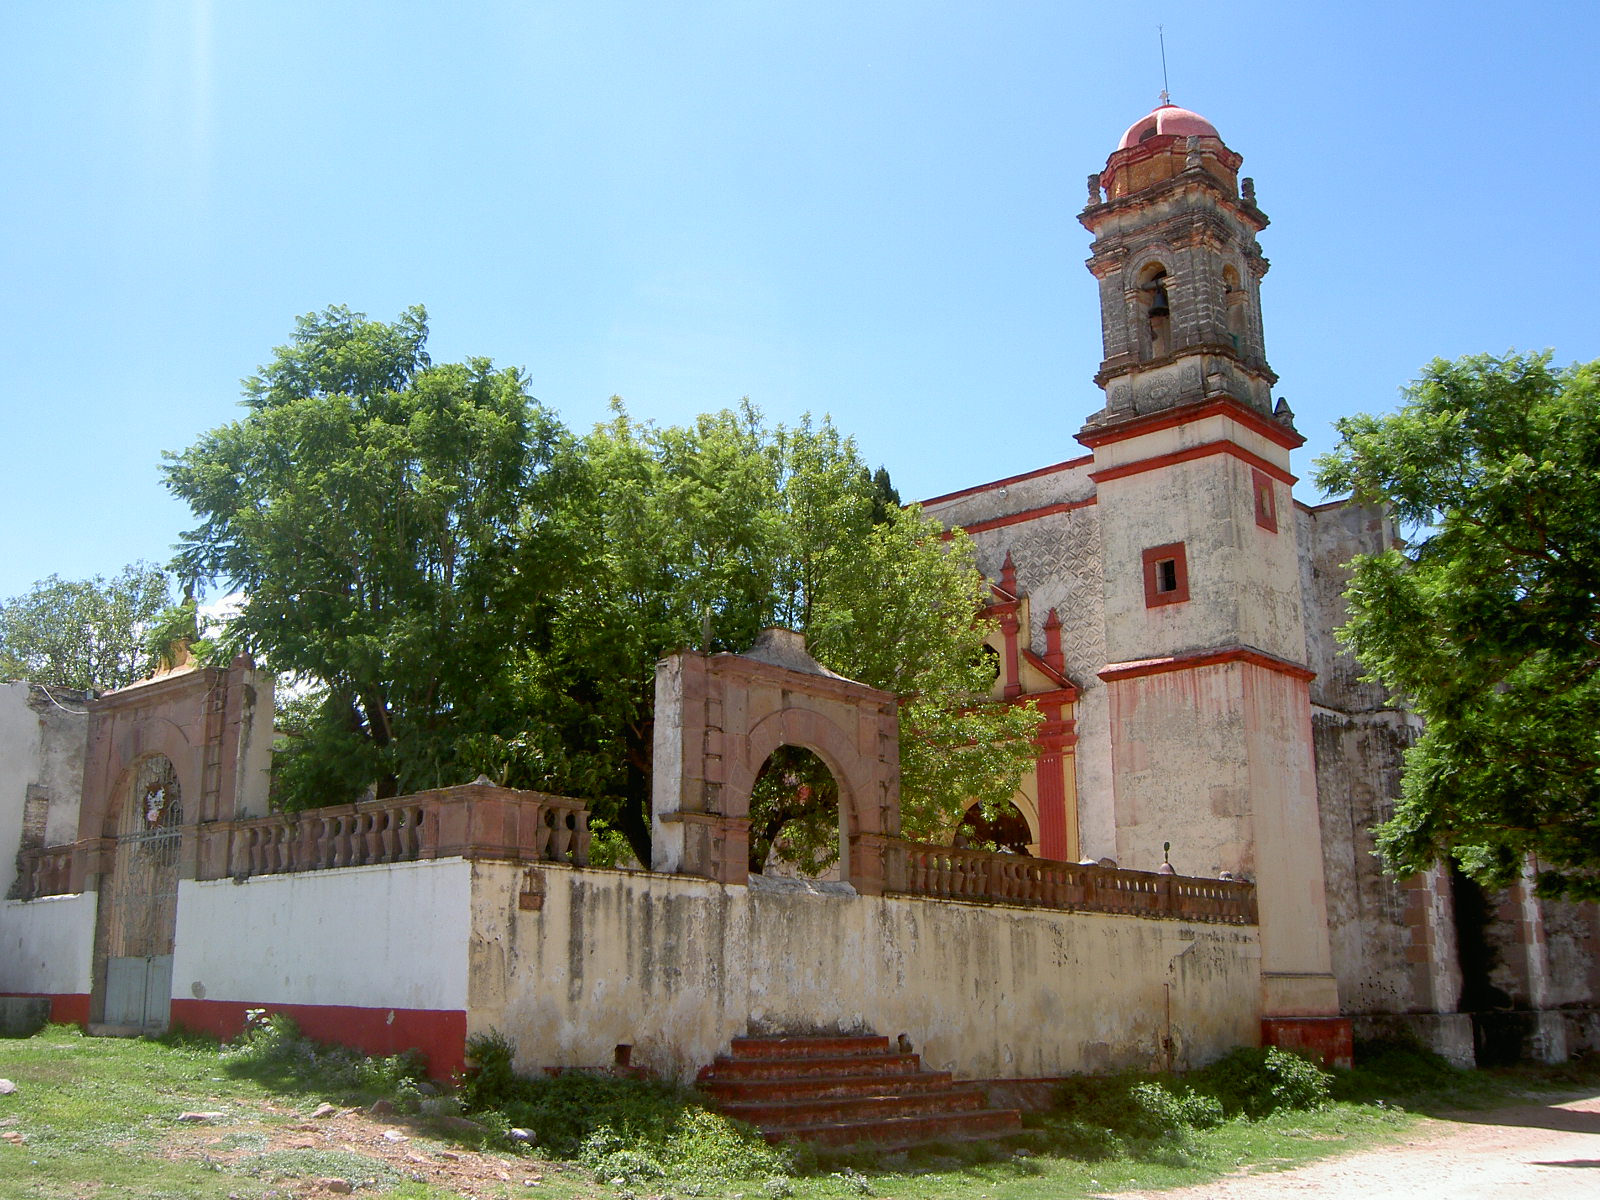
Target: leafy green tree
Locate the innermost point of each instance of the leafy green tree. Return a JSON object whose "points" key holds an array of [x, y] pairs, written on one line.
{"points": [[86, 634], [378, 512], [1488, 622]]}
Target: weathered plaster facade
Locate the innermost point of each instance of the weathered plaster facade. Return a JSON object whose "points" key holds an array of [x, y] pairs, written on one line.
{"points": [[43, 732], [675, 967]]}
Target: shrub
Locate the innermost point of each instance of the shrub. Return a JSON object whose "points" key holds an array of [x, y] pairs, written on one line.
{"points": [[1171, 1114], [1257, 1083]]}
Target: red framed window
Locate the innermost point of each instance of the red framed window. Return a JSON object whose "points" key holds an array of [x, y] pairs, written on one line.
{"points": [[1166, 575], [1266, 499]]}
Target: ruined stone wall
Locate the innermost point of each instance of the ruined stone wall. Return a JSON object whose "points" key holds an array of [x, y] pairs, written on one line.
{"points": [[1393, 942], [570, 962], [42, 746]]}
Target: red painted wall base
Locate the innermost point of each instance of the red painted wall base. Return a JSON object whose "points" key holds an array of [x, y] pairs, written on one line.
{"points": [[66, 1008], [1329, 1040], [440, 1035]]}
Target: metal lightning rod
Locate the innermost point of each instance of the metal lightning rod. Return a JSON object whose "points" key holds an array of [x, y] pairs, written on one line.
{"points": [[1161, 33]]}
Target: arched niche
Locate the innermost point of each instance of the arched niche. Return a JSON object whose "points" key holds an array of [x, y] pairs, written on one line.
{"points": [[719, 718]]}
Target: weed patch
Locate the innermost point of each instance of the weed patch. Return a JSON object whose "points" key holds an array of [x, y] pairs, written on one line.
{"points": [[272, 1052], [630, 1133]]}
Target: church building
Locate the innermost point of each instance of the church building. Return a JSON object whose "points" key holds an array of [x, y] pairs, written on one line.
{"points": [[1190, 866], [1170, 607]]}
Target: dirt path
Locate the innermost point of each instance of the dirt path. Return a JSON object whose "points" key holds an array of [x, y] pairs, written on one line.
{"points": [[1547, 1151]]}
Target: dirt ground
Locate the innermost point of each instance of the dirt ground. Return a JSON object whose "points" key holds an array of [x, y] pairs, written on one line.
{"points": [[400, 1145], [1547, 1151]]}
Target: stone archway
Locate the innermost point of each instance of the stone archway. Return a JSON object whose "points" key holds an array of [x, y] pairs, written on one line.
{"points": [[138, 911], [719, 717]]}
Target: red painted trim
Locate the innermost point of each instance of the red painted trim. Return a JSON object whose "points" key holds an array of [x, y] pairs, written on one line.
{"points": [[66, 1008], [1027, 514], [1175, 553], [1082, 460], [1050, 773], [440, 1034], [1217, 406], [1331, 1040], [1068, 689], [1207, 658], [1188, 454]]}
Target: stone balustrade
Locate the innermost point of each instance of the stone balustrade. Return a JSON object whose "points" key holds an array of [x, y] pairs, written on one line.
{"points": [[916, 869], [476, 820]]}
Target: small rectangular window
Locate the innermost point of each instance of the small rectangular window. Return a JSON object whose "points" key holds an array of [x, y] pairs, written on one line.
{"points": [[1266, 500], [1166, 575]]}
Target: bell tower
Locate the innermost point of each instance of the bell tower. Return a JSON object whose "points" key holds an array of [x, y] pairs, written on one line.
{"points": [[1206, 677], [1179, 270]]}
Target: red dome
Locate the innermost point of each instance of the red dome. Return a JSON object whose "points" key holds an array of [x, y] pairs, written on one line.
{"points": [[1168, 120]]}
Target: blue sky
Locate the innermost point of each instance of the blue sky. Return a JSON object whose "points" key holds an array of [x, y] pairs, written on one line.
{"points": [[867, 209]]}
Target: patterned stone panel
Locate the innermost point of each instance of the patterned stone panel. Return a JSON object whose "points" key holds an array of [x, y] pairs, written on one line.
{"points": [[1058, 564]]}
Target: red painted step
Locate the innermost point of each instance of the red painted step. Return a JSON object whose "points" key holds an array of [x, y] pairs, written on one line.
{"points": [[781, 1046], [794, 1067], [840, 1090], [828, 1110], [804, 1087]]}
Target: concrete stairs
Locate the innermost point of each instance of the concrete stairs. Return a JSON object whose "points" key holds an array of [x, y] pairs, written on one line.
{"points": [[843, 1090]]}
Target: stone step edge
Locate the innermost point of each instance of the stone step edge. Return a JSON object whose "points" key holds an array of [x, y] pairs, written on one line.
{"points": [[896, 1062], [806, 1045], [904, 1083]]}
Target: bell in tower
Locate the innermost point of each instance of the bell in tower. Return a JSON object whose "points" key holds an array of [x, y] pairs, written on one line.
{"points": [[1179, 270]]}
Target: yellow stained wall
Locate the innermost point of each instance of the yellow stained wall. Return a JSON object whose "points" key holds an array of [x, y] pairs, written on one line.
{"points": [[676, 967]]}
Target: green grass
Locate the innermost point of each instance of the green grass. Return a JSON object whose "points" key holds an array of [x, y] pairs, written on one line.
{"points": [[100, 1119]]}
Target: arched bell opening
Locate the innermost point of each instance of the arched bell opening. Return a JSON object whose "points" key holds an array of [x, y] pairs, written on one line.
{"points": [[1238, 313], [1157, 306]]}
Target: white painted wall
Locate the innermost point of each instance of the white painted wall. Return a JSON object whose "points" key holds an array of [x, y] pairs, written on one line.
{"points": [[676, 967], [46, 945], [385, 936]]}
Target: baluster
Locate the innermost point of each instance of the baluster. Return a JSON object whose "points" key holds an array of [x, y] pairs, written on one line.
{"points": [[408, 838], [544, 835], [366, 849], [389, 835], [562, 850], [581, 823], [341, 841]]}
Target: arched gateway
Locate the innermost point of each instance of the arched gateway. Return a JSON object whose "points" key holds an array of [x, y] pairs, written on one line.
{"points": [[720, 716]]}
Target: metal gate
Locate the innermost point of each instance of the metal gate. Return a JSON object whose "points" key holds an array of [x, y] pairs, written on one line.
{"points": [[140, 907]]}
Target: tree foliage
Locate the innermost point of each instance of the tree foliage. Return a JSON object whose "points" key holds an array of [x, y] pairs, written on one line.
{"points": [[372, 507], [466, 588], [85, 634], [704, 535], [1488, 622]]}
